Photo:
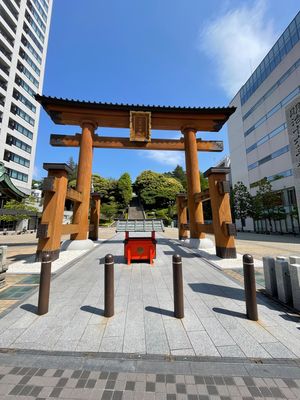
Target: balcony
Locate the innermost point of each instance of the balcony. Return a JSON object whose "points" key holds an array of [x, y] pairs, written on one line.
{"points": [[6, 38], [4, 68], [6, 19], [11, 7], [7, 55]]}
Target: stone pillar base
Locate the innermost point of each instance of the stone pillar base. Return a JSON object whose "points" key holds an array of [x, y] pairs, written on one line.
{"points": [[77, 245], [204, 243]]}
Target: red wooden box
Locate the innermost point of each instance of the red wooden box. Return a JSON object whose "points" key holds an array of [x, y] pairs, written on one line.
{"points": [[139, 248]]}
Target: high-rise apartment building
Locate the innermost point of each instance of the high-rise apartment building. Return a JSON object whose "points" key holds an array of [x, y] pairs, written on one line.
{"points": [[24, 30], [257, 132]]}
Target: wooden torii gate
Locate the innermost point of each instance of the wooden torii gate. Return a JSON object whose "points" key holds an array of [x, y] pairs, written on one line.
{"points": [[140, 120]]}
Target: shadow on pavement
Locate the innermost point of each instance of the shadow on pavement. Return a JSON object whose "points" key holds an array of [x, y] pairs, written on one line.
{"points": [[92, 310], [218, 290], [30, 308], [229, 312], [160, 311]]}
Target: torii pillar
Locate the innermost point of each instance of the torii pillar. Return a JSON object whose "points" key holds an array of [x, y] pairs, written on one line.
{"points": [[193, 182], [84, 176]]}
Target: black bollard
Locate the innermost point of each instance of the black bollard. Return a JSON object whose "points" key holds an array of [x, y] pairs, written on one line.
{"points": [[250, 287], [109, 286], [44, 289], [178, 287]]}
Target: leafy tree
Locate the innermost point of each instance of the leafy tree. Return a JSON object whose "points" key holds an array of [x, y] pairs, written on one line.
{"points": [[179, 174], [72, 176], [157, 190], [22, 208], [109, 210], [124, 189], [268, 200], [203, 181], [242, 202], [36, 182]]}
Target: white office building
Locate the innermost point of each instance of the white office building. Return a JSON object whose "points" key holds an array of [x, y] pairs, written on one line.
{"points": [[24, 30], [258, 137]]}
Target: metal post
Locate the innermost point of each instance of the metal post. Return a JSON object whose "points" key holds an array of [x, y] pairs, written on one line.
{"points": [[109, 286], [250, 287], [178, 287], [45, 279]]}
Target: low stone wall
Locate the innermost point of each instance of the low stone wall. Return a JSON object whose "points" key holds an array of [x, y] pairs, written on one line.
{"points": [[282, 279]]}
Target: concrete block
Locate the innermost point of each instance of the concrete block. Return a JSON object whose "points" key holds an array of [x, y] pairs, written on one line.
{"points": [[283, 280], [294, 260], [270, 277], [295, 283]]}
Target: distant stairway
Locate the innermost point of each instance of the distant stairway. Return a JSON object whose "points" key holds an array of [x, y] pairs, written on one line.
{"points": [[135, 209]]}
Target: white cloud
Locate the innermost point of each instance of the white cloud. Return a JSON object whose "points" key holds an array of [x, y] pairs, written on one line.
{"points": [[172, 158], [236, 42]]}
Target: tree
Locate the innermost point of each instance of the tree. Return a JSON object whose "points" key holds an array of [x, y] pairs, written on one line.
{"points": [[179, 174], [124, 189], [242, 202], [36, 182], [157, 190], [19, 209], [72, 176], [268, 200], [110, 210], [203, 182]]}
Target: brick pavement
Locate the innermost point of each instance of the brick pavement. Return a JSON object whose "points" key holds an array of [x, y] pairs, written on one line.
{"points": [[45, 376]]}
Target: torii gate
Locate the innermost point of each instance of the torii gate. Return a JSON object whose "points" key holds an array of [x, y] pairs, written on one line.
{"points": [[140, 119]]}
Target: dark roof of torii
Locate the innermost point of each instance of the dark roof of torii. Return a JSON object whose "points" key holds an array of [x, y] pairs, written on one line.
{"points": [[73, 112]]}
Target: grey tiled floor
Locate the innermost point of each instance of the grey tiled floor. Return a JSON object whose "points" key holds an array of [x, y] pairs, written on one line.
{"points": [[214, 323]]}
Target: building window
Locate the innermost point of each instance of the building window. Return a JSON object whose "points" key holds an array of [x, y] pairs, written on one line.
{"points": [[17, 175], [18, 127], [36, 16], [34, 27], [18, 96], [13, 141], [278, 106], [269, 157], [28, 74], [273, 178], [31, 49], [32, 36], [18, 111], [40, 10], [19, 81], [267, 137], [281, 48], [29, 61], [10, 156]]}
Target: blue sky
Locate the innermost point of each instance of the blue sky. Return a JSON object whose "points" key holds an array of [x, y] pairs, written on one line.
{"points": [[162, 52]]}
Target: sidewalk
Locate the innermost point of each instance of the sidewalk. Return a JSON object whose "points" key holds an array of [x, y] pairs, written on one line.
{"points": [[28, 375], [214, 323]]}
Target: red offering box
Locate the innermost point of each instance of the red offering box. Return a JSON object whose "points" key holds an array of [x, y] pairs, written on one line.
{"points": [[139, 248]]}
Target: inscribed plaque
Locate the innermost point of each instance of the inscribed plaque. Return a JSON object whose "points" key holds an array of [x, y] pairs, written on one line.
{"points": [[292, 113], [140, 126]]}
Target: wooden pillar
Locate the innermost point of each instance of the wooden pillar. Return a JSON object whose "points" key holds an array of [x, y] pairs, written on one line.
{"points": [[193, 182], [224, 229], [182, 216], [83, 185], [50, 228], [95, 216]]}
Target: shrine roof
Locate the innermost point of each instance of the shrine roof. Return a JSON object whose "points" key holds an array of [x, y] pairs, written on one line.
{"points": [[71, 112]]}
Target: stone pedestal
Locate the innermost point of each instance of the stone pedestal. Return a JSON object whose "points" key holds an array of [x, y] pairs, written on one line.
{"points": [[283, 280], [270, 277], [295, 283]]}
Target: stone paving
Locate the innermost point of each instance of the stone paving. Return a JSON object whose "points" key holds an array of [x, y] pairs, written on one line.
{"points": [[214, 323]]}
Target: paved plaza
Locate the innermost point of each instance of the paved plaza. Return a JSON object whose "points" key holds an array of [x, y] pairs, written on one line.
{"points": [[143, 352], [214, 323]]}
